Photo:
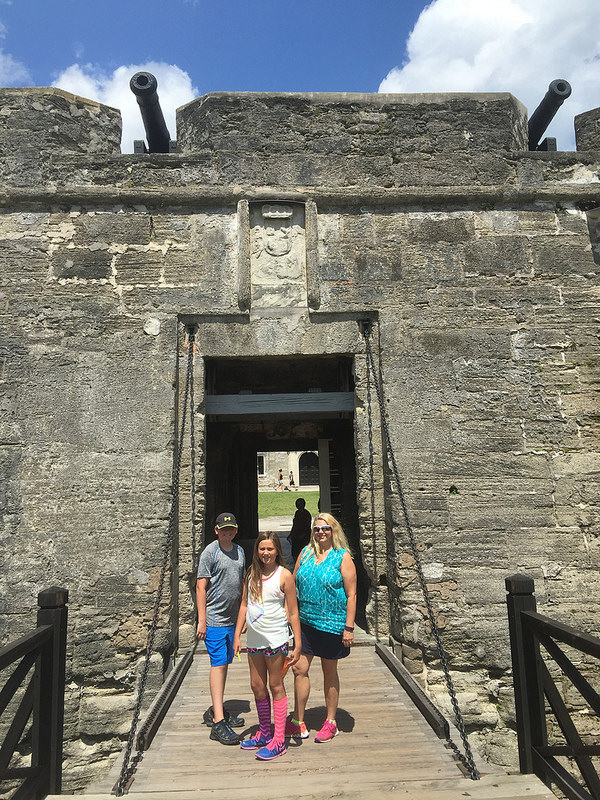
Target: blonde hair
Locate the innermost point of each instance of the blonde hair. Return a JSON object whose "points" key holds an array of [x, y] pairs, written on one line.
{"points": [[253, 577], [338, 537]]}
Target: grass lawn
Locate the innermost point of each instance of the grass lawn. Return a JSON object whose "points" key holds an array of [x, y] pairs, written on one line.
{"points": [[283, 504]]}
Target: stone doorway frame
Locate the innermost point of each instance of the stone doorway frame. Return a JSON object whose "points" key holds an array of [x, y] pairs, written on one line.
{"points": [[236, 335]]}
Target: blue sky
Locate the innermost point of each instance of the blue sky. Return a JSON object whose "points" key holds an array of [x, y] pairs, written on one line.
{"points": [[258, 45], [195, 46]]}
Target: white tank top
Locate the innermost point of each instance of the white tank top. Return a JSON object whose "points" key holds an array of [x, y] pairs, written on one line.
{"points": [[266, 619]]}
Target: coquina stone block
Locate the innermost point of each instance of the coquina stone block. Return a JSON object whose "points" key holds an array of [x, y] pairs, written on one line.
{"points": [[42, 124], [587, 130]]}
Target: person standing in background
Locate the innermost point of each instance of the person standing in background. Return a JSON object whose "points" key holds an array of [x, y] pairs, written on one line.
{"points": [[300, 532]]}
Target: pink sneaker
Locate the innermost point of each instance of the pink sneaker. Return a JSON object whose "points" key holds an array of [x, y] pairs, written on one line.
{"points": [[293, 728], [327, 732]]}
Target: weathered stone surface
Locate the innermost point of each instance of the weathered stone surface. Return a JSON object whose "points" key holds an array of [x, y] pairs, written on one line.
{"points": [[476, 263], [88, 761], [104, 715], [37, 124], [355, 139], [498, 746], [587, 130]]}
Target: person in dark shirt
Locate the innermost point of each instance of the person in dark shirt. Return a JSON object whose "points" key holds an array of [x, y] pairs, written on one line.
{"points": [[301, 527]]}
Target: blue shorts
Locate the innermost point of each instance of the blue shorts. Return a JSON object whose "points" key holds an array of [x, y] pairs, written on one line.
{"points": [[219, 644]]}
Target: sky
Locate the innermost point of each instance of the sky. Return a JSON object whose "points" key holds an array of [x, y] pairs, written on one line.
{"points": [[195, 47]]}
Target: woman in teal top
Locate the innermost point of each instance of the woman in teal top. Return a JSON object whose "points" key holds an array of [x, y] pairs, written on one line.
{"points": [[326, 587]]}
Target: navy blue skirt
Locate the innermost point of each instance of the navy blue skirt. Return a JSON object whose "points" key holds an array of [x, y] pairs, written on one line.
{"points": [[322, 644]]}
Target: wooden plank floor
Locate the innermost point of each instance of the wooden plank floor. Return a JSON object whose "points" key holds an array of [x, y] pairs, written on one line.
{"points": [[384, 746]]}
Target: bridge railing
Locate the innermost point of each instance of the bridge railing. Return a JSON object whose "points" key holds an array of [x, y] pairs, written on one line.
{"points": [[535, 645], [34, 690]]}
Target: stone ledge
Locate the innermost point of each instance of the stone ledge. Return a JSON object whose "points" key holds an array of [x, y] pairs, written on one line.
{"points": [[206, 196]]}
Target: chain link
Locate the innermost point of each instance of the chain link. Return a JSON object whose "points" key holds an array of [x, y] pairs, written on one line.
{"points": [[467, 757], [128, 769]]}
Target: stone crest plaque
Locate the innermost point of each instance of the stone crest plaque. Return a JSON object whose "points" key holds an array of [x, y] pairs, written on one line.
{"points": [[277, 255]]}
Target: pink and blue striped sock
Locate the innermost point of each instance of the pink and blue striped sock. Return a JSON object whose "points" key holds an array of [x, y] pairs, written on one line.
{"points": [[280, 708]]}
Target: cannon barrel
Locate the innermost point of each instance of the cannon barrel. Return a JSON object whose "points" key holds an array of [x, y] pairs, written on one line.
{"points": [[557, 93], [144, 86]]}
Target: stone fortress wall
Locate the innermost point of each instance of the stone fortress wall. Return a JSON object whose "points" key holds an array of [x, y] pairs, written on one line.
{"points": [[280, 222]]}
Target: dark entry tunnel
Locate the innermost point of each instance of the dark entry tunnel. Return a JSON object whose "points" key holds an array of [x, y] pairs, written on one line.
{"points": [[302, 404]]}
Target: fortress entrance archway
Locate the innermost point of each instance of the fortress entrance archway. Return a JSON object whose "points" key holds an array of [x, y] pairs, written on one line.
{"points": [[274, 404]]}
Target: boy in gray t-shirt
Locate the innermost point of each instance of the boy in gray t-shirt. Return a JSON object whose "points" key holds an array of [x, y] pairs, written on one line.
{"points": [[218, 591]]}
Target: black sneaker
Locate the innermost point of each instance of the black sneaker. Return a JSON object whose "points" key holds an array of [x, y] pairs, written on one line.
{"points": [[221, 732], [234, 722]]}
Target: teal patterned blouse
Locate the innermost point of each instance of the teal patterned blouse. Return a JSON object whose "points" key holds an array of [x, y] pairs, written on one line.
{"points": [[321, 597]]}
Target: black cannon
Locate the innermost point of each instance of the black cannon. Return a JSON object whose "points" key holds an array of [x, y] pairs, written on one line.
{"points": [[144, 86], [557, 93]]}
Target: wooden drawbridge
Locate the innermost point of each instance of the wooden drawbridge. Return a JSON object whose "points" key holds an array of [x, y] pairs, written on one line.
{"points": [[385, 748]]}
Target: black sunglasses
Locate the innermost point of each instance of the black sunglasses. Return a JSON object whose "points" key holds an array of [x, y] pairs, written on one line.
{"points": [[318, 528]]}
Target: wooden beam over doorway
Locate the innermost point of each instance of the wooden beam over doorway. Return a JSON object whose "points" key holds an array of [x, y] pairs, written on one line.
{"points": [[289, 404]]}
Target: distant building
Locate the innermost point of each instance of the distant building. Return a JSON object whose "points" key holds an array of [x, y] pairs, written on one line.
{"points": [[304, 466]]}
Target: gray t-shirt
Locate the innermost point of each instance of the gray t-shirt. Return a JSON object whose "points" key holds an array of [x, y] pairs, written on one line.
{"points": [[225, 571]]}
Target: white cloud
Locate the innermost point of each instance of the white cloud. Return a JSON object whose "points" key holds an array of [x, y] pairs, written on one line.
{"points": [[174, 89], [12, 72], [516, 46]]}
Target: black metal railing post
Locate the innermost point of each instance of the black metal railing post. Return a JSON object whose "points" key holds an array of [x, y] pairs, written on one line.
{"points": [[525, 653], [50, 688]]}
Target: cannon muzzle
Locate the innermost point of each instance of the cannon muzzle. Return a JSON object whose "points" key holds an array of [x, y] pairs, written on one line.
{"points": [[144, 86], [557, 93]]}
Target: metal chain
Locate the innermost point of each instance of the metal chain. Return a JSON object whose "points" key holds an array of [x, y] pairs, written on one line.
{"points": [[371, 446], [372, 478], [127, 769], [467, 758], [192, 464]]}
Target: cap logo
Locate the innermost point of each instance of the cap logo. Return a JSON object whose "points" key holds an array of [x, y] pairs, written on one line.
{"points": [[226, 520]]}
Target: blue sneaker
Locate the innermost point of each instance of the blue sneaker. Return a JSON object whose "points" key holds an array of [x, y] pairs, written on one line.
{"points": [[271, 751], [255, 742]]}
